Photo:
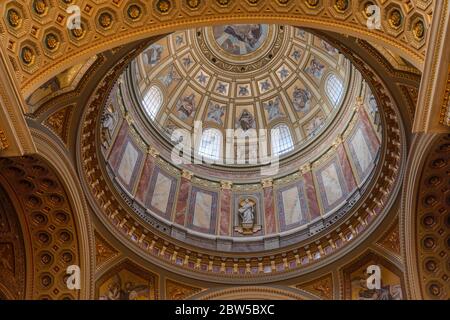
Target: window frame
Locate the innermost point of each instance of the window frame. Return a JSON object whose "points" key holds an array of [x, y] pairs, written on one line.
{"points": [[332, 89], [285, 143], [214, 153], [150, 107]]}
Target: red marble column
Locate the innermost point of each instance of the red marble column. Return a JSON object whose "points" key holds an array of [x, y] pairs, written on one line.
{"points": [[346, 168], [182, 201], [269, 208], [225, 210], [311, 196], [144, 181]]}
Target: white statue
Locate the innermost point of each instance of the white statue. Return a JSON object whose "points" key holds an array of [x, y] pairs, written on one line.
{"points": [[247, 212]]}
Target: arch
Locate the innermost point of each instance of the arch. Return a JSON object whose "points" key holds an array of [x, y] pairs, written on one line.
{"points": [[152, 19], [421, 213], [254, 293], [49, 150]]}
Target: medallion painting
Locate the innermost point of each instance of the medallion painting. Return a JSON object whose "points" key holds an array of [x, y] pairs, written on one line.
{"points": [[128, 283], [355, 280], [240, 39]]}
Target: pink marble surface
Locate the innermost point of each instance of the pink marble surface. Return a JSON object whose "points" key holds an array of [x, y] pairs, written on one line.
{"points": [[144, 180], [180, 212], [116, 151], [368, 129], [310, 190], [346, 168], [269, 211], [225, 212]]}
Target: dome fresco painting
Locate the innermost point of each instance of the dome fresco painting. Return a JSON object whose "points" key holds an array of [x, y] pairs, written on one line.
{"points": [[283, 80], [304, 106], [224, 150]]}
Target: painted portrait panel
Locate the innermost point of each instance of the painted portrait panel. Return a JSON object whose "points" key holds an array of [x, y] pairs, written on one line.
{"points": [[127, 282], [355, 280], [240, 39]]}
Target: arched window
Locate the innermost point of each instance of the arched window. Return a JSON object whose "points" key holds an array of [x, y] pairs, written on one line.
{"points": [[152, 101], [334, 89], [210, 144], [281, 140]]}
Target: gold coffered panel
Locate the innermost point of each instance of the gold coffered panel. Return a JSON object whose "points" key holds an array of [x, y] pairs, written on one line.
{"points": [[136, 20]]}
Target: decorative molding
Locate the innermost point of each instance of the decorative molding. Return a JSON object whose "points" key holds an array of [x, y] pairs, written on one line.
{"points": [[104, 252], [44, 59], [3, 141], [433, 87], [391, 240], [255, 292], [12, 120], [180, 291], [59, 122], [427, 231], [322, 287], [50, 220]]}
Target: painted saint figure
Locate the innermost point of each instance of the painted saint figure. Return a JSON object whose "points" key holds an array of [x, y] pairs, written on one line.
{"points": [[186, 106], [301, 99], [273, 108], [315, 68], [247, 33], [152, 55], [246, 121], [216, 113]]}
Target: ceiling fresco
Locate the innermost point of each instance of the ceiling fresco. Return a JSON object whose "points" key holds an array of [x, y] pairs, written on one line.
{"points": [[242, 77]]}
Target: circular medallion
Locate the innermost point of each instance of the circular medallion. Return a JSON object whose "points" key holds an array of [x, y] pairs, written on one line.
{"points": [[240, 39], [240, 47]]}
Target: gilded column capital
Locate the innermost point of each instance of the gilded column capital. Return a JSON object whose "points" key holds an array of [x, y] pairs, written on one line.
{"points": [[305, 168], [187, 174], [153, 152], [267, 183], [226, 185]]}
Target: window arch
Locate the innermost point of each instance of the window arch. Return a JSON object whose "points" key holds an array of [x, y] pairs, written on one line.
{"points": [[210, 144], [334, 89], [281, 140], [152, 101]]}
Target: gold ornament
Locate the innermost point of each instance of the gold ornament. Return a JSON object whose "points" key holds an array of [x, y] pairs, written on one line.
{"points": [[312, 3], [51, 41], [105, 20], [134, 12], [163, 6], [341, 5], [78, 33], [27, 55], [419, 30], [395, 18], [14, 18], [40, 6]]}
